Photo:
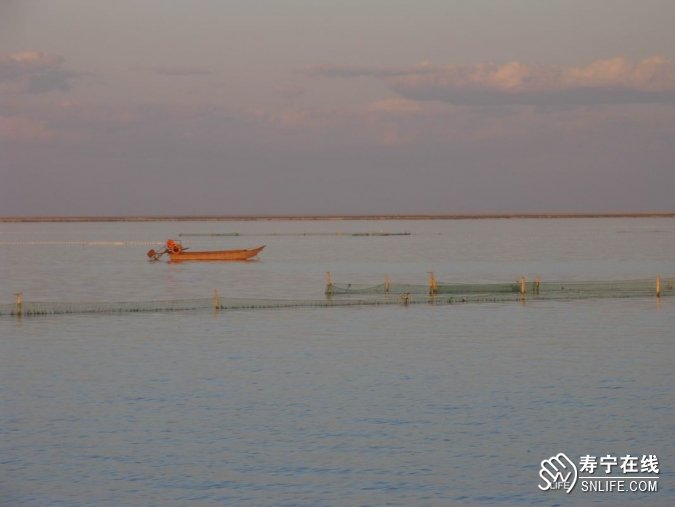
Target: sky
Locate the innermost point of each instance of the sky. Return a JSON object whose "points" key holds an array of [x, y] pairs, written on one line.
{"points": [[318, 107]]}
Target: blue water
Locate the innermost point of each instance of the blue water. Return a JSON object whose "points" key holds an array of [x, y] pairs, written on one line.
{"points": [[409, 406]]}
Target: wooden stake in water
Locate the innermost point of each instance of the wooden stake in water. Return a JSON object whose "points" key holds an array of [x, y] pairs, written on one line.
{"points": [[523, 288], [329, 283], [658, 287], [386, 285], [433, 288], [19, 303], [216, 301]]}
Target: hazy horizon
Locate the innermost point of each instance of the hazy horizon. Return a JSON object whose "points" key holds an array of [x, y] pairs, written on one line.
{"points": [[145, 108], [341, 217]]}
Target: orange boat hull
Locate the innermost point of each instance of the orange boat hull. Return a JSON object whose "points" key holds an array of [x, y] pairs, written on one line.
{"points": [[221, 255]]}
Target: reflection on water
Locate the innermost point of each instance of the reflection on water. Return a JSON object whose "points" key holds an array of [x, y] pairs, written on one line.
{"points": [[406, 406]]}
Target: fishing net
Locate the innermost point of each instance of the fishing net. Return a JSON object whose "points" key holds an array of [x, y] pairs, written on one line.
{"points": [[404, 288], [54, 307], [552, 289], [364, 295], [28, 308]]}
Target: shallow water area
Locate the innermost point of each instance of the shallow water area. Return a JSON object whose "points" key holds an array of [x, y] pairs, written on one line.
{"points": [[411, 406]]}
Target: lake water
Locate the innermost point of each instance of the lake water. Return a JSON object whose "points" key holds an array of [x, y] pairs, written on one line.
{"points": [[410, 406]]}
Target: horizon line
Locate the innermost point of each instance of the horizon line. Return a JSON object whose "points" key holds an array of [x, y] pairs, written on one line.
{"points": [[308, 217]]}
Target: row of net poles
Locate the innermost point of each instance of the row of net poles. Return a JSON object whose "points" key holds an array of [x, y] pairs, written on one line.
{"points": [[433, 285], [433, 291]]}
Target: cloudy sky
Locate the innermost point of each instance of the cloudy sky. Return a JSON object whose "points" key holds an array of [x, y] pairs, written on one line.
{"points": [[236, 107]]}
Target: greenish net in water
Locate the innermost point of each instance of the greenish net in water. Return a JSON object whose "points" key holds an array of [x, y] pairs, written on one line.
{"points": [[28, 308], [362, 295], [407, 288], [55, 308], [563, 290]]}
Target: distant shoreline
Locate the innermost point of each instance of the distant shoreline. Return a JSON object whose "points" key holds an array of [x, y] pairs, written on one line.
{"points": [[232, 218]]}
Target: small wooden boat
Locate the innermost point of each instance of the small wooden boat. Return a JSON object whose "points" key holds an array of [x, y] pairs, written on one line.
{"points": [[217, 255], [178, 253]]}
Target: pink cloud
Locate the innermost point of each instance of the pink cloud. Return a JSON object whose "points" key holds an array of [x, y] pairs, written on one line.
{"points": [[34, 72], [613, 81], [19, 128], [34, 58], [395, 105]]}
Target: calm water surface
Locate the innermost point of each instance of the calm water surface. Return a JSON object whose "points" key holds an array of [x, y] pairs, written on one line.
{"points": [[409, 406]]}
